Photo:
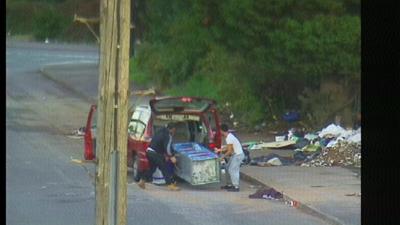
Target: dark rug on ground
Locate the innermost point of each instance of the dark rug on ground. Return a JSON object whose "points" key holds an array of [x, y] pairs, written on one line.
{"points": [[267, 193]]}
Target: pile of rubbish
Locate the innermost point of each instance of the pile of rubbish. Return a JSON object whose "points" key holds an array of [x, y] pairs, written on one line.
{"points": [[332, 146], [339, 147], [342, 154]]}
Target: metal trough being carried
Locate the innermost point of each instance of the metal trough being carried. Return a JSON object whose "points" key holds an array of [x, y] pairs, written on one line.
{"points": [[196, 164]]}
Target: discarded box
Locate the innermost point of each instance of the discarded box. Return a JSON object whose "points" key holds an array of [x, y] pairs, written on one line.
{"points": [[196, 164]]}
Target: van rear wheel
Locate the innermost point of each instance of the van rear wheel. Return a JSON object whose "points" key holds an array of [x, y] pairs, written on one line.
{"points": [[135, 166]]}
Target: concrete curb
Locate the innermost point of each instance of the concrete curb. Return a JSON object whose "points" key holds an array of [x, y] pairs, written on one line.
{"points": [[81, 95], [302, 207]]}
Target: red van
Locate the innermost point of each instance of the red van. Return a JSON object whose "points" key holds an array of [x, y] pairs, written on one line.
{"points": [[196, 118]]}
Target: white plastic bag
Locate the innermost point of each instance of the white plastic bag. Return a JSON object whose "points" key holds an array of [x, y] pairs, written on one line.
{"points": [[158, 177], [274, 162]]}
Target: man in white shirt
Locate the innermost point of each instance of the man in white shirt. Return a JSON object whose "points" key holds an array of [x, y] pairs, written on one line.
{"points": [[235, 151]]}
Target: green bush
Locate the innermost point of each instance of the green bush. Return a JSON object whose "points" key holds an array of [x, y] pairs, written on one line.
{"points": [[246, 108], [136, 75], [50, 18], [333, 98], [223, 77], [256, 55], [49, 23], [196, 86], [19, 16], [217, 75]]}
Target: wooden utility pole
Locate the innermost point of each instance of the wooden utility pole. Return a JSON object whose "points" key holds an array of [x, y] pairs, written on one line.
{"points": [[111, 172]]}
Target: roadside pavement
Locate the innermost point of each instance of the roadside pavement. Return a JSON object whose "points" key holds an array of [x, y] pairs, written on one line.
{"points": [[330, 193], [321, 191]]}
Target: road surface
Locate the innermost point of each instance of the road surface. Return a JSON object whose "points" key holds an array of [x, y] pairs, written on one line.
{"points": [[43, 187]]}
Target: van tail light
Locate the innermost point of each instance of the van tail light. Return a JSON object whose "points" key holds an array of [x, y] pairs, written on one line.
{"points": [[88, 154], [90, 142], [186, 99], [211, 146]]}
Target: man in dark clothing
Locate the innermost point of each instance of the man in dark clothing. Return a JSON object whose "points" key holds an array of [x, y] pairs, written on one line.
{"points": [[159, 150]]}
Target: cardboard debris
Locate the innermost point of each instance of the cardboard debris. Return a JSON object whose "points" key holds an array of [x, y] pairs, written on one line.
{"points": [[255, 147], [275, 144], [278, 144], [252, 145]]}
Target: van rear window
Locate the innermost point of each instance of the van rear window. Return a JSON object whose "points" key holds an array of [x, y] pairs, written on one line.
{"points": [[178, 117], [180, 104]]}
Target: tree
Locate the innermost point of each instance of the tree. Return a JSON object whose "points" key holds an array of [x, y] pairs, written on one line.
{"points": [[274, 48]]}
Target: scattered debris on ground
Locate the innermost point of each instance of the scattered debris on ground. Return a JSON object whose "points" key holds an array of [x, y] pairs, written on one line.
{"points": [[339, 147], [342, 154], [270, 160], [78, 133], [267, 193], [354, 194], [276, 144], [332, 146]]}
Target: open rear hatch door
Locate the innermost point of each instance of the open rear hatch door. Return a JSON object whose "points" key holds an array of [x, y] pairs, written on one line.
{"points": [[180, 105], [90, 134]]}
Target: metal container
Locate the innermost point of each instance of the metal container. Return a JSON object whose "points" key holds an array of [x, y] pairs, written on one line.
{"points": [[196, 164]]}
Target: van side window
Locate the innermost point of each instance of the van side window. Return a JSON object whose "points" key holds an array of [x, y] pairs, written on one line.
{"points": [[140, 127], [145, 116], [136, 115], [134, 126], [138, 123]]}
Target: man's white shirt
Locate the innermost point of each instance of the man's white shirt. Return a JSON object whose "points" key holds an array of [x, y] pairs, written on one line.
{"points": [[237, 147]]}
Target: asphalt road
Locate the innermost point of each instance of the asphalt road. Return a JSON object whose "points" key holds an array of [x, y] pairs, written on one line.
{"points": [[44, 187]]}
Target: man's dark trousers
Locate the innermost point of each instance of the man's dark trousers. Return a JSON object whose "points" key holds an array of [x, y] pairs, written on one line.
{"points": [[158, 160]]}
